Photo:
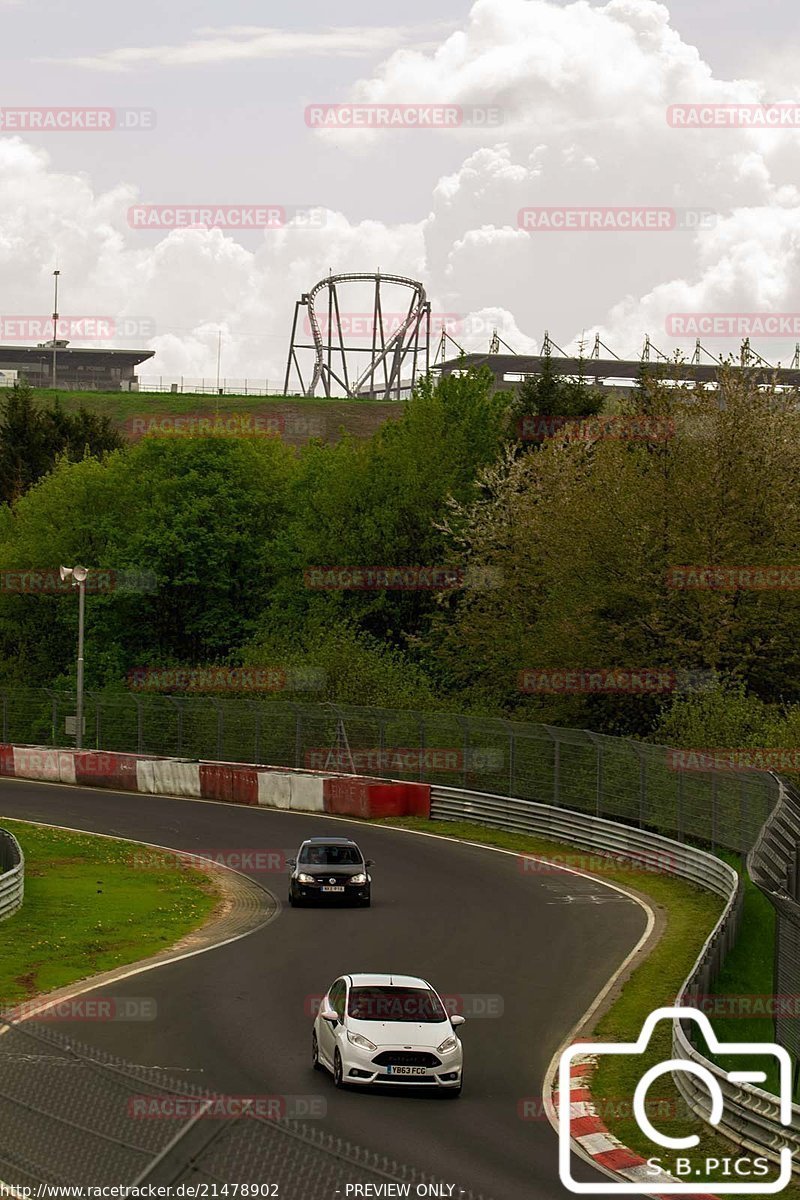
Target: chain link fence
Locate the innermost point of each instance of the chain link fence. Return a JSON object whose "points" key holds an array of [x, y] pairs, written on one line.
{"points": [[617, 778], [774, 865], [71, 1114]]}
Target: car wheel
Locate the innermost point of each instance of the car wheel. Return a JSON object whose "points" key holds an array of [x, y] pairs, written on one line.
{"points": [[454, 1093], [338, 1071], [365, 903], [291, 900], [315, 1063]]}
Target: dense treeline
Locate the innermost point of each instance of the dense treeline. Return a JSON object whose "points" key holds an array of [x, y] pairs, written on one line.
{"points": [[563, 548]]}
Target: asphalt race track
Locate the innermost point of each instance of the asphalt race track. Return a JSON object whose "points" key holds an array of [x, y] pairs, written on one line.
{"points": [[470, 920]]}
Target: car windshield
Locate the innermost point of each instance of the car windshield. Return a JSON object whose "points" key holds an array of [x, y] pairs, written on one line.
{"points": [[331, 856], [395, 1004]]}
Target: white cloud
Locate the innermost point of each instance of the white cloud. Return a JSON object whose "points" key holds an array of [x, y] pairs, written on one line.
{"points": [[585, 91], [241, 43]]}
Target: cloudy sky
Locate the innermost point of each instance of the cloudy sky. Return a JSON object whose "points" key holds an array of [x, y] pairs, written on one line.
{"points": [[570, 104]]}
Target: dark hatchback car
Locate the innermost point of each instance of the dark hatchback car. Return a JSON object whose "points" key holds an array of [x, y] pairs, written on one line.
{"points": [[330, 869]]}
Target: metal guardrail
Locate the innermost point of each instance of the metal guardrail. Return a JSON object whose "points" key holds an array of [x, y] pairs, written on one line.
{"points": [[752, 1117], [774, 865], [12, 875], [617, 778]]}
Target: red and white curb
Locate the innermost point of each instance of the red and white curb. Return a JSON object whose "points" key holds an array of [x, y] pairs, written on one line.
{"points": [[592, 1138]]}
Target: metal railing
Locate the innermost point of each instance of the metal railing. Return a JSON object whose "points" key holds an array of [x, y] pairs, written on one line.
{"points": [[70, 1112], [12, 875], [752, 1117], [616, 778], [774, 865]]}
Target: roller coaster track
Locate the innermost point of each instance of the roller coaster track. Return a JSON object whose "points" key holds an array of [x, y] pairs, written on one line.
{"points": [[410, 339]]}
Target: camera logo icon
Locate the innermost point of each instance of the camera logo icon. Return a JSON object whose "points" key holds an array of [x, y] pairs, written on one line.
{"points": [[714, 1083]]}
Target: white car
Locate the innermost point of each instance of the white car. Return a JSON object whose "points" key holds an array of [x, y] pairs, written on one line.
{"points": [[390, 1030]]}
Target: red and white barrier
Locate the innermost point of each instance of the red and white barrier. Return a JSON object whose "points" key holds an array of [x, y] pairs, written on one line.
{"points": [[233, 783]]}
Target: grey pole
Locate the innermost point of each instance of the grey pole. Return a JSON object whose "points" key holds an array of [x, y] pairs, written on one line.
{"points": [[55, 326], [79, 705], [77, 577]]}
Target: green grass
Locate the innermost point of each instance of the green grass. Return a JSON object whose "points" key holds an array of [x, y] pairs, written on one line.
{"points": [[748, 971], [121, 405], [89, 908], [690, 916]]}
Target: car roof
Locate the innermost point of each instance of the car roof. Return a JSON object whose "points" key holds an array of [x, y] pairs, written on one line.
{"points": [[387, 981], [329, 841]]}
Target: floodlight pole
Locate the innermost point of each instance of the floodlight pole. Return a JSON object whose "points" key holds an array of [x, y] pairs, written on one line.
{"points": [[79, 703], [55, 327], [77, 577]]}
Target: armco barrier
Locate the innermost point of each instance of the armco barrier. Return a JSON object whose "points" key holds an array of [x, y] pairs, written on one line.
{"points": [[350, 796], [751, 1117], [234, 783], [12, 874]]}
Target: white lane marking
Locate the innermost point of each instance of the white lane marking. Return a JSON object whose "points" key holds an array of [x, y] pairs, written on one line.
{"points": [[89, 985]]}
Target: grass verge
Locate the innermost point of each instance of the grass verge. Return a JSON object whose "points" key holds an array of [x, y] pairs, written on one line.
{"points": [[690, 915], [89, 908]]}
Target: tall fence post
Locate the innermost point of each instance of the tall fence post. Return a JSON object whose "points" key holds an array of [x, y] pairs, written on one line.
{"points": [[257, 732], [512, 760], [298, 737]]}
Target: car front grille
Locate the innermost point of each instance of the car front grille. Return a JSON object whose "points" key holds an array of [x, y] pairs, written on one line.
{"points": [[411, 1080], [406, 1058]]}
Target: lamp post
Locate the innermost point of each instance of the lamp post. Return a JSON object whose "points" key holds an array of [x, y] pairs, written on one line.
{"points": [[78, 577], [55, 326]]}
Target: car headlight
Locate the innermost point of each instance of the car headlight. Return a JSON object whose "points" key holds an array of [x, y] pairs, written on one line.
{"points": [[447, 1045], [305, 878], [360, 878], [363, 1042]]}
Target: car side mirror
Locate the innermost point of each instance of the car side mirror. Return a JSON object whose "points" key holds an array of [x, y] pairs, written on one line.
{"points": [[369, 863], [457, 1020], [291, 862], [330, 1014]]}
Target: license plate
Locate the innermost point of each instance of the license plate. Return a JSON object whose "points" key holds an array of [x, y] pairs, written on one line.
{"points": [[407, 1070], [333, 889]]}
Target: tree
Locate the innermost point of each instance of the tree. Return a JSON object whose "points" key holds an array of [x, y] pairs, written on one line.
{"points": [[32, 439], [549, 394], [585, 532], [200, 515]]}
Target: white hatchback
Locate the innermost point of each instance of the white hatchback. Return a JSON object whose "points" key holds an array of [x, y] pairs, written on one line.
{"points": [[391, 1030]]}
